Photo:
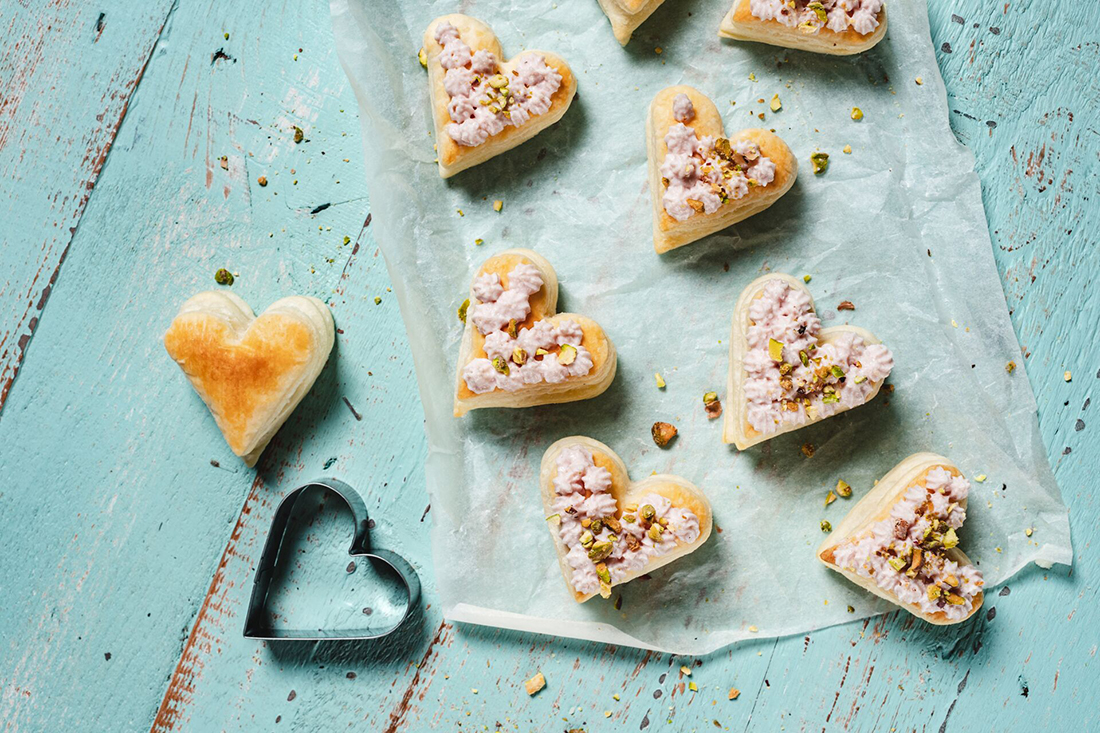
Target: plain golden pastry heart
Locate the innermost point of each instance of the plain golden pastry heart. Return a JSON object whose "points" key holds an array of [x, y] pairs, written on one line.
{"points": [[479, 36], [680, 492], [741, 25], [543, 307], [876, 506], [251, 372], [668, 233], [627, 15], [736, 428]]}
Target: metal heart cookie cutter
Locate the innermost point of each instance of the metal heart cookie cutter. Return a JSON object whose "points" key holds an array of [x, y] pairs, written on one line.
{"points": [[257, 625]]}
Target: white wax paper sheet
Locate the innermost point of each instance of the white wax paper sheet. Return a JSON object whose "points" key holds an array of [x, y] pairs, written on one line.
{"points": [[896, 226]]}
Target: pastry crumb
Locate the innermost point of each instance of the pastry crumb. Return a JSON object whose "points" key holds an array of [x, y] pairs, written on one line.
{"points": [[663, 433], [685, 670], [753, 629], [498, 205], [534, 684], [734, 693], [846, 305], [919, 80], [1068, 376], [847, 149], [1010, 367], [808, 449]]}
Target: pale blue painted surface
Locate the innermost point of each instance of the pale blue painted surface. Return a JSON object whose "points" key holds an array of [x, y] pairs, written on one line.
{"points": [[114, 520]]}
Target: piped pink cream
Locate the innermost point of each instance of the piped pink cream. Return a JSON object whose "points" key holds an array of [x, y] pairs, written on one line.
{"points": [[905, 553], [810, 16], [483, 101], [617, 547], [531, 356], [701, 174], [789, 378]]}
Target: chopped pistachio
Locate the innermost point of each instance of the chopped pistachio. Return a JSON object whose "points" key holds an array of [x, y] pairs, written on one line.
{"points": [[693, 687], [597, 526], [843, 489], [660, 381], [603, 573], [860, 379], [647, 512], [537, 682], [820, 162], [541, 352], [851, 609], [919, 80], [808, 450], [837, 371], [804, 358], [587, 538], [663, 433], [776, 105], [423, 59], [629, 518], [613, 524], [847, 149], [934, 592], [712, 405], [1029, 531], [586, 522], [830, 498], [519, 356], [950, 539], [857, 114], [826, 526], [501, 366], [685, 670], [696, 205], [955, 600], [462, 310], [775, 349], [377, 300], [1068, 376], [600, 551], [479, 241], [567, 354], [1010, 367], [655, 532], [298, 135], [819, 10], [223, 277], [498, 205], [513, 328], [951, 580], [897, 563]]}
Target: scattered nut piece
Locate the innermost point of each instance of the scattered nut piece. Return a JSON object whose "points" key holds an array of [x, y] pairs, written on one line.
{"points": [[377, 300], [808, 449], [1028, 531], [851, 609], [298, 135], [776, 105], [919, 80], [660, 381], [712, 405], [820, 163], [734, 693], [693, 687], [537, 682], [843, 488], [685, 670], [826, 526], [423, 59], [847, 149], [262, 180], [830, 498], [806, 278], [980, 478], [224, 162], [1068, 377], [223, 277], [462, 310], [1010, 367], [479, 241], [498, 205], [753, 629], [663, 433], [846, 305], [857, 114]]}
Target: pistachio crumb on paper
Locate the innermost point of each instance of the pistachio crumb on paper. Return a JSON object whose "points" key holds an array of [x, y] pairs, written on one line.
{"points": [[1010, 367], [826, 526], [712, 405], [660, 380], [693, 687], [776, 105], [919, 80], [843, 488], [820, 163], [808, 450], [422, 58], [830, 498], [753, 629], [685, 670], [806, 278], [857, 114], [980, 478], [663, 433], [462, 310], [223, 277], [535, 684], [498, 205], [847, 149], [377, 300]]}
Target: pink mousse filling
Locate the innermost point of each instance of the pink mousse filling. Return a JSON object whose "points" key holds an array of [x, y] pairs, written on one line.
{"points": [[701, 174], [810, 381], [583, 493], [484, 101], [515, 361], [810, 17], [904, 554]]}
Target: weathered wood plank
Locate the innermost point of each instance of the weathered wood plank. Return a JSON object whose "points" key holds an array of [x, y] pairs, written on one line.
{"points": [[56, 128]]}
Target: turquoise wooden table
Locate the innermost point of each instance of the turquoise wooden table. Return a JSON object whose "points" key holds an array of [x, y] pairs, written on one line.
{"points": [[132, 146]]}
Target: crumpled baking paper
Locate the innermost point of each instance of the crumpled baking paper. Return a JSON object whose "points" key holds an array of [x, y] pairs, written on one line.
{"points": [[896, 227]]}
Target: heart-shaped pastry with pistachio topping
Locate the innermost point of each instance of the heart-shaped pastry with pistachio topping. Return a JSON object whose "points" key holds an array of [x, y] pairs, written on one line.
{"points": [[483, 105], [607, 529], [837, 27], [627, 15], [786, 371], [702, 181], [900, 542], [517, 351], [251, 372]]}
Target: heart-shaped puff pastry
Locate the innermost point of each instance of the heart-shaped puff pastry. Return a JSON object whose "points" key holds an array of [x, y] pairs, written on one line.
{"points": [[516, 350], [900, 542], [251, 372], [702, 182], [843, 28], [481, 104], [608, 530], [627, 15], [786, 371]]}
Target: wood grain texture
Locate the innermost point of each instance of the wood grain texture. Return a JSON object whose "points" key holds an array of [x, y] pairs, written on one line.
{"points": [[128, 555]]}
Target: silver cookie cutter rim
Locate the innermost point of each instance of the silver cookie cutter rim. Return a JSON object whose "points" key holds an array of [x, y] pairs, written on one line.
{"points": [[256, 627]]}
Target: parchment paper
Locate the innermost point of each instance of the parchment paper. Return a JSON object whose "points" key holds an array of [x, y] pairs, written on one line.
{"points": [[897, 227]]}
